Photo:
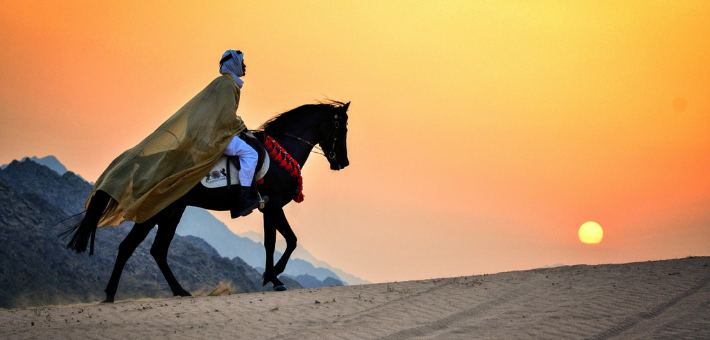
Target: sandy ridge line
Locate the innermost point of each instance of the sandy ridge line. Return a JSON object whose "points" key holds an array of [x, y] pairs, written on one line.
{"points": [[646, 300]]}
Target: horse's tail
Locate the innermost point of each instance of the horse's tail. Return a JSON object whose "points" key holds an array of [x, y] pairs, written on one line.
{"points": [[86, 228]]}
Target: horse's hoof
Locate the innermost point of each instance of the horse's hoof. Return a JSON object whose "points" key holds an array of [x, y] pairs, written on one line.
{"points": [[279, 288], [182, 293], [273, 279], [108, 300]]}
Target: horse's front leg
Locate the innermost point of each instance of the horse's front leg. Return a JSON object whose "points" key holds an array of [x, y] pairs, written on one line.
{"points": [[273, 219], [285, 229]]}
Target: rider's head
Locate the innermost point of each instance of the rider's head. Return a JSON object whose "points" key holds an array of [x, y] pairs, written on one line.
{"points": [[232, 63]]}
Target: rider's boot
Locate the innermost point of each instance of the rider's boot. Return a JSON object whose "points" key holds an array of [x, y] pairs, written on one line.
{"points": [[247, 203]]}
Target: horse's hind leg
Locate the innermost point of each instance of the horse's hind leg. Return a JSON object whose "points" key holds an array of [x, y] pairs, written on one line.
{"points": [[125, 250], [166, 232]]}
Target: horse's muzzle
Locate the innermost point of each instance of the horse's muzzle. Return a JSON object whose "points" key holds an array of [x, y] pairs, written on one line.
{"points": [[336, 166]]}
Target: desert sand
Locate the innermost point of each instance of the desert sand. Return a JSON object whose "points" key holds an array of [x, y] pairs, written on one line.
{"points": [[667, 299]]}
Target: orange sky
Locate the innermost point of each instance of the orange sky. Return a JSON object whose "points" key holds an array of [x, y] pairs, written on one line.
{"points": [[482, 134]]}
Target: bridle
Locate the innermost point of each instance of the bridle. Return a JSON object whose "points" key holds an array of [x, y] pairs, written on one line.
{"points": [[330, 154]]}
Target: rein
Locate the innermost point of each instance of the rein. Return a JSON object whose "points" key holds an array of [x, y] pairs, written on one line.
{"points": [[315, 147], [299, 138], [331, 154]]}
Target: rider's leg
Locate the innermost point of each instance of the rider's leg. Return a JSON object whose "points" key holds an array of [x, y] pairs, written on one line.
{"points": [[247, 161]]}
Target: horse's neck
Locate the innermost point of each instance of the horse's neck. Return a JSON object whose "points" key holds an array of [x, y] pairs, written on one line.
{"points": [[297, 149], [307, 129]]}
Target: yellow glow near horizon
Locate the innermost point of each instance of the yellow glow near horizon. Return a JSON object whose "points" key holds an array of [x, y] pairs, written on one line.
{"points": [[591, 233]]}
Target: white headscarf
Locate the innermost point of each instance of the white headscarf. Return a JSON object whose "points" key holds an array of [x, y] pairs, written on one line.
{"points": [[233, 66]]}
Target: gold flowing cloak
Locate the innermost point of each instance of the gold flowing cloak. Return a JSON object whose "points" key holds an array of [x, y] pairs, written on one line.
{"points": [[163, 167]]}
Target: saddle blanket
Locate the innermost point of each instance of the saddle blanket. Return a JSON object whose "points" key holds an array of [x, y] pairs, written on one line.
{"points": [[217, 177]]}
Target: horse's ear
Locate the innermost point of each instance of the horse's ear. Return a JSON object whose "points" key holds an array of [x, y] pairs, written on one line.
{"points": [[345, 107]]}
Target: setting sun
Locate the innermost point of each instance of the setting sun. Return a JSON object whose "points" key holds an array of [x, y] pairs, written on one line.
{"points": [[591, 233]]}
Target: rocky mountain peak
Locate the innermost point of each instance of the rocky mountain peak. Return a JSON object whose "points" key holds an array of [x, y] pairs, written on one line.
{"points": [[67, 191]]}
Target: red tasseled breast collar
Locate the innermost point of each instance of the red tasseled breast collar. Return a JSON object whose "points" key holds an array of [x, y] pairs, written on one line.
{"points": [[278, 154]]}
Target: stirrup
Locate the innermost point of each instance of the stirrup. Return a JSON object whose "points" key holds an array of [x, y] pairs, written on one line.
{"points": [[260, 204], [262, 200]]}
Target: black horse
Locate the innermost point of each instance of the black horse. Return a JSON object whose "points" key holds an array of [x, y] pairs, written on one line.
{"points": [[298, 131]]}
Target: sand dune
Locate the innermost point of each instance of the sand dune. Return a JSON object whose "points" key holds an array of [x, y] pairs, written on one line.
{"points": [[647, 300]]}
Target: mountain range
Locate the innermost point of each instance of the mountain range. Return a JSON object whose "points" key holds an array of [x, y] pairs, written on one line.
{"points": [[35, 267], [249, 247]]}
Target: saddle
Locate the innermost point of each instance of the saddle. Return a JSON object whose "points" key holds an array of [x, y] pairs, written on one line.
{"points": [[226, 172]]}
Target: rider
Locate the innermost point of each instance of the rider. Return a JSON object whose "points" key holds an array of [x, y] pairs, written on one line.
{"points": [[149, 177], [232, 65]]}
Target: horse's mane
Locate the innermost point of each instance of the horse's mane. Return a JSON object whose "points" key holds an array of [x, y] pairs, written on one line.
{"points": [[278, 122]]}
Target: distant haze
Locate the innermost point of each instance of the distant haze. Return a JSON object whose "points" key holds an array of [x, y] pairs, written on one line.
{"points": [[482, 134]]}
